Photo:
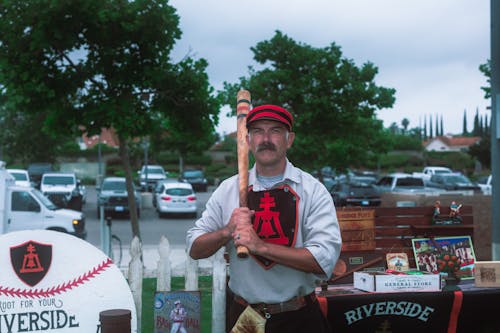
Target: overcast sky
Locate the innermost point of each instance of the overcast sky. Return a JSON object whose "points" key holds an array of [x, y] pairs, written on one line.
{"points": [[428, 50]]}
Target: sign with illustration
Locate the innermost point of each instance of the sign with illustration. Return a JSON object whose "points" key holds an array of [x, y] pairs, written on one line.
{"points": [[51, 281], [429, 252], [177, 312]]}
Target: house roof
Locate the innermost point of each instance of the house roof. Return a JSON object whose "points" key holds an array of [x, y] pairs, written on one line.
{"points": [[108, 137], [455, 141]]}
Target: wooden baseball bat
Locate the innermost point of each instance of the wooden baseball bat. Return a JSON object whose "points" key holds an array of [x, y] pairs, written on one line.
{"points": [[243, 102]]}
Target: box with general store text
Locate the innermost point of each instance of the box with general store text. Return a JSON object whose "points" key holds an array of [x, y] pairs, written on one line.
{"points": [[384, 282]]}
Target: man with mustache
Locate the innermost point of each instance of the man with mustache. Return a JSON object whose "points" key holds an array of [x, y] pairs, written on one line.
{"points": [[290, 229]]}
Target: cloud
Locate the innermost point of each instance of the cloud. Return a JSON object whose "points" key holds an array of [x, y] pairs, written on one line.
{"points": [[429, 51]]}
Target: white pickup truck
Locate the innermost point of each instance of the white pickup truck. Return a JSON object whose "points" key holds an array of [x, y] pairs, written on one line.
{"points": [[429, 171], [485, 185], [26, 208]]}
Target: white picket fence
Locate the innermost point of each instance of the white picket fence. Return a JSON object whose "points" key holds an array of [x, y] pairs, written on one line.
{"points": [[164, 274]]}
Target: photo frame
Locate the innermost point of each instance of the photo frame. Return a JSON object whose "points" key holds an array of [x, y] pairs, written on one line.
{"points": [[177, 311], [397, 262], [427, 251]]}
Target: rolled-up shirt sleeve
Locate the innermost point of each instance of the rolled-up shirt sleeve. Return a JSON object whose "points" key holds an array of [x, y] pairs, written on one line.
{"points": [[216, 213], [321, 230]]}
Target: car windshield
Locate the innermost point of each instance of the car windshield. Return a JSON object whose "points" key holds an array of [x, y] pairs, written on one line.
{"points": [[44, 200], [456, 179], [114, 185], [409, 181], [19, 175], [58, 180], [179, 191], [441, 171], [193, 174], [156, 170]]}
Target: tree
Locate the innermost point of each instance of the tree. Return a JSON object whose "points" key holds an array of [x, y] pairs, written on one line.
{"points": [[476, 130], [482, 151], [425, 127], [98, 64], [442, 128], [191, 130], [21, 143], [464, 126], [486, 70], [430, 127], [437, 125], [405, 122], [333, 101]]}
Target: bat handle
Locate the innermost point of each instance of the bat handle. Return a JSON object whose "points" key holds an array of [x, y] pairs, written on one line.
{"points": [[242, 251]]}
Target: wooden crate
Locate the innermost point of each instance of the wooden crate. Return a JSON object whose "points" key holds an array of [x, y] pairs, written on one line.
{"points": [[358, 229], [487, 273]]}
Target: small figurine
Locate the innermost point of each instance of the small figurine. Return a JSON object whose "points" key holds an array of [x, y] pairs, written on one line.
{"points": [[454, 209], [437, 208]]}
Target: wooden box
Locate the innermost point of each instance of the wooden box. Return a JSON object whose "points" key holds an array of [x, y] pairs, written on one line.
{"points": [[383, 282], [357, 228], [487, 273]]}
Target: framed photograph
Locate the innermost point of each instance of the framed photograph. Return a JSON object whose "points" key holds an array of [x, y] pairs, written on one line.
{"points": [[397, 262], [177, 312], [428, 250]]}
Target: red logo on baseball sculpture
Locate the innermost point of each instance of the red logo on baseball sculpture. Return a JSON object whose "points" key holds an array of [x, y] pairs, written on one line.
{"points": [[31, 261]]}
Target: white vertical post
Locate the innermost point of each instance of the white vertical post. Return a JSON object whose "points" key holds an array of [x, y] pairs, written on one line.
{"points": [[135, 275], [191, 275], [164, 271], [219, 292]]}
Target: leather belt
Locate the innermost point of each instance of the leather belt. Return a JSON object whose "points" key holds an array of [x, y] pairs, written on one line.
{"points": [[293, 304]]}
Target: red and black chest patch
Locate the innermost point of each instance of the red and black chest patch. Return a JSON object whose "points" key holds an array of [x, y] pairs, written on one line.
{"points": [[31, 261], [276, 217]]}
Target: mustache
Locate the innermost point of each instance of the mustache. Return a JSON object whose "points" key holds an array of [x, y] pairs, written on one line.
{"points": [[266, 145]]}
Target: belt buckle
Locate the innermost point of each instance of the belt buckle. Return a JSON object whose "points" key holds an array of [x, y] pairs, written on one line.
{"points": [[266, 313]]}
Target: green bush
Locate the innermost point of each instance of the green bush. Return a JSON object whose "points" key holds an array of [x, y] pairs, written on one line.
{"points": [[458, 161], [114, 167]]}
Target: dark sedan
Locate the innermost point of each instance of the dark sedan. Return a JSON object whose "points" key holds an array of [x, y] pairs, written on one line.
{"points": [[355, 194], [196, 178]]}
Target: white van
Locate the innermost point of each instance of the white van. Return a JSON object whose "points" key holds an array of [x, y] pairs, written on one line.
{"points": [[26, 208]]}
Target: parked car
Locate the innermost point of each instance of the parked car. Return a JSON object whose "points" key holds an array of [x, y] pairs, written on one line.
{"points": [[159, 185], [22, 178], [404, 183], [355, 194], [112, 196], [429, 171], [454, 182], [485, 183], [36, 171], [175, 198], [62, 189], [26, 208], [149, 175], [196, 178]]}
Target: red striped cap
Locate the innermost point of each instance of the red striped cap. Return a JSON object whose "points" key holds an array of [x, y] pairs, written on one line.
{"points": [[270, 112]]}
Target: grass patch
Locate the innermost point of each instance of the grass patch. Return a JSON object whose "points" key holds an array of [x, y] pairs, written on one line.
{"points": [[148, 292]]}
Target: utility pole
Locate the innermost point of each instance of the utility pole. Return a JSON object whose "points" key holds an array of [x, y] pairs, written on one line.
{"points": [[495, 126]]}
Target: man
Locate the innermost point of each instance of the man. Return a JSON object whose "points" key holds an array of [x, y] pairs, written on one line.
{"points": [[290, 229], [178, 316]]}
